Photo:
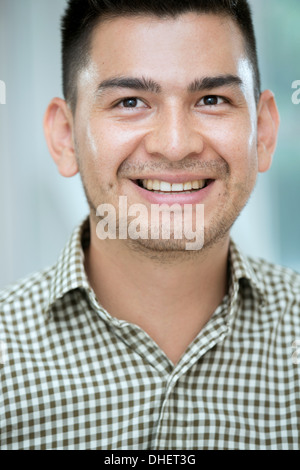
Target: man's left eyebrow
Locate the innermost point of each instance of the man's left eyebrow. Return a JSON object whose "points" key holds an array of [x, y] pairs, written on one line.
{"points": [[209, 83]]}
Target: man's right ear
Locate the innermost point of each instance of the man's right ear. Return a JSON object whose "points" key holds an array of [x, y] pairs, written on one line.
{"points": [[58, 125]]}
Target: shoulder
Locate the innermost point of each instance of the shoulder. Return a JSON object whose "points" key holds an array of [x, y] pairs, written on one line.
{"points": [[274, 276], [27, 296], [26, 300], [269, 278], [280, 286]]}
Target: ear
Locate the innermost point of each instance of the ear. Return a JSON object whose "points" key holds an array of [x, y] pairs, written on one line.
{"points": [[267, 130], [58, 128]]}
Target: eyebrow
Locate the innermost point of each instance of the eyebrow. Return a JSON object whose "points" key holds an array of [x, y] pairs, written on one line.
{"points": [[145, 84], [208, 83], [149, 85]]}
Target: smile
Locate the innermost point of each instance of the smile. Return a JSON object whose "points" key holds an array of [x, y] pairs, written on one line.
{"points": [[157, 186]]}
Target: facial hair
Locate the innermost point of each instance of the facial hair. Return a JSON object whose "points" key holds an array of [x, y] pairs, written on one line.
{"points": [[171, 250]]}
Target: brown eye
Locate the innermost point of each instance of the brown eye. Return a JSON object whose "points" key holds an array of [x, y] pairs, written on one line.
{"points": [[211, 100], [130, 103]]}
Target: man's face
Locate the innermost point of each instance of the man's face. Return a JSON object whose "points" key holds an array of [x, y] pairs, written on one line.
{"points": [[184, 112]]}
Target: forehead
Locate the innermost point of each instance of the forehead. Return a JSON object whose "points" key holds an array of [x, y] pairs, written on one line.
{"points": [[128, 41], [171, 51]]}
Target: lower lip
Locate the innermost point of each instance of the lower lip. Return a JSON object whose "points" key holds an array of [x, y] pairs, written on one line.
{"points": [[196, 197]]}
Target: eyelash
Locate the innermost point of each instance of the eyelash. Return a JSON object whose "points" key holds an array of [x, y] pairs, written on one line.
{"points": [[225, 100]]}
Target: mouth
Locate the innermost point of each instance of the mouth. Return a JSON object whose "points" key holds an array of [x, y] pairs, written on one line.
{"points": [[164, 187]]}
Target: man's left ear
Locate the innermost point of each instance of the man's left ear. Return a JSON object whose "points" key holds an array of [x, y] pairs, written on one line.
{"points": [[267, 130]]}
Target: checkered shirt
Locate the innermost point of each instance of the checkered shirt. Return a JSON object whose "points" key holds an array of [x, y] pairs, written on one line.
{"points": [[75, 378]]}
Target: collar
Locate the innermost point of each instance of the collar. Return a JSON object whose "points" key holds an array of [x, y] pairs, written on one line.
{"points": [[69, 272], [242, 268]]}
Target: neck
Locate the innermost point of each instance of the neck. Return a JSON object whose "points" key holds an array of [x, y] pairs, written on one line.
{"points": [[171, 301]]}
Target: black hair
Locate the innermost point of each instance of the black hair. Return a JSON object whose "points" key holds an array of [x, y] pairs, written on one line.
{"points": [[82, 16]]}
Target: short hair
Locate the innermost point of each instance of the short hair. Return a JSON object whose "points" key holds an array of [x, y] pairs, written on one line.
{"points": [[82, 16]]}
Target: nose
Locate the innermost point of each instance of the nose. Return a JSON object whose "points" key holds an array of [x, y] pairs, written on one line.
{"points": [[174, 135]]}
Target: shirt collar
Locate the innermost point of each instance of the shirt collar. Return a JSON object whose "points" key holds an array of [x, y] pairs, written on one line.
{"points": [[69, 272], [242, 268]]}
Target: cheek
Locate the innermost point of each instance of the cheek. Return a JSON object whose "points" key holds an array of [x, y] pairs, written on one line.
{"points": [[235, 142], [108, 145]]}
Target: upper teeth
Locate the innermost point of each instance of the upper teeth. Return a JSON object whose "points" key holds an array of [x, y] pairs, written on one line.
{"points": [[156, 185]]}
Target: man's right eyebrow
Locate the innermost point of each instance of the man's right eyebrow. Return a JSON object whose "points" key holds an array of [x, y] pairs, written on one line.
{"points": [[143, 84]]}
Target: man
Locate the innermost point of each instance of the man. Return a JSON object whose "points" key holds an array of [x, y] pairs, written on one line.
{"points": [[134, 342]]}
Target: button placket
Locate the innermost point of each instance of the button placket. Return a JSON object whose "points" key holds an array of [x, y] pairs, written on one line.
{"points": [[214, 333]]}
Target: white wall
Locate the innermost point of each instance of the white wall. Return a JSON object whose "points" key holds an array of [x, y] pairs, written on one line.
{"points": [[39, 208]]}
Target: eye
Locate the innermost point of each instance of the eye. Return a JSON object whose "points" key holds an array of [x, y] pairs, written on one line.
{"points": [[131, 103], [212, 100]]}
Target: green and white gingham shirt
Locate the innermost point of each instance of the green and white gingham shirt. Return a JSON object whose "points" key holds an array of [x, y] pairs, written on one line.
{"points": [[73, 377]]}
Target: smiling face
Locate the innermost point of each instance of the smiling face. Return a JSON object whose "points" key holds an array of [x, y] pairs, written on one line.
{"points": [[166, 113]]}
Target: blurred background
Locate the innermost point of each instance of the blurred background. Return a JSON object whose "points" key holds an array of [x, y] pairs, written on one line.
{"points": [[39, 208]]}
